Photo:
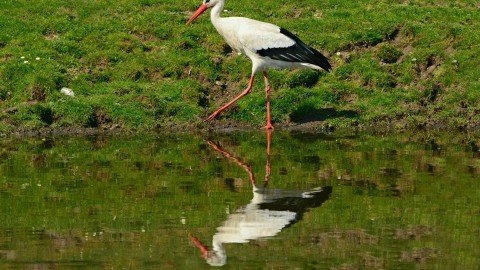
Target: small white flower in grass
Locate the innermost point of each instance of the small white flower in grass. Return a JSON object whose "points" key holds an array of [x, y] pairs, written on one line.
{"points": [[25, 62], [22, 57], [37, 58]]}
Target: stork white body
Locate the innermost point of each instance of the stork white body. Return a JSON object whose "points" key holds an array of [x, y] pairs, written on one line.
{"points": [[267, 45], [249, 36]]}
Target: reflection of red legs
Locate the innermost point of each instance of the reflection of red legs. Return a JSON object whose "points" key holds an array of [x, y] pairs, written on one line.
{"points": [[267, 93], [245, 92], [247, 167], [267, 167], [235, 159], [199, 245]]}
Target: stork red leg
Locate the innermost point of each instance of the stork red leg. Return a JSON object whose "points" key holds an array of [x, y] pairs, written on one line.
{"points": [[267, 93], [245, 92]]}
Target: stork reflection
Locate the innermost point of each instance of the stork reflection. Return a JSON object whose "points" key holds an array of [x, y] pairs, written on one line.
{"points": [[269, 211]]}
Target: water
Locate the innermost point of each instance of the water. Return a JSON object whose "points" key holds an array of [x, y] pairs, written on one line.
{"points": [[241, 200]]}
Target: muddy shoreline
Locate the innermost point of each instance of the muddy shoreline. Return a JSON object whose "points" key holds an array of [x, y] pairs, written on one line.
{"points": [[234, 126]]}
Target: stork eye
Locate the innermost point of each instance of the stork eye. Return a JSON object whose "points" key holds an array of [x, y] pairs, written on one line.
{"points": [[207, 1]]}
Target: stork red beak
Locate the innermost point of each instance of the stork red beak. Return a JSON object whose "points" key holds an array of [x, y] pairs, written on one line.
{"points": [[199, 11]]}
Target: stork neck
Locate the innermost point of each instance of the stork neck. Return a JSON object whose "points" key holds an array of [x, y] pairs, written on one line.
{"points": [[216, 10]]}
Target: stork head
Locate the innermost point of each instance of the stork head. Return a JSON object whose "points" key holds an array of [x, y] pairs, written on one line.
{"points": [[206, 4]]}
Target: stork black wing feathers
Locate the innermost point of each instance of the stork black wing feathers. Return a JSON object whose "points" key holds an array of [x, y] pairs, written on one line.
{"points": [[299, 52]]}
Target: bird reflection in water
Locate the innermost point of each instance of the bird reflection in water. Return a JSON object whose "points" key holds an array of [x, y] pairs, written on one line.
{"points": [[269, 211]]}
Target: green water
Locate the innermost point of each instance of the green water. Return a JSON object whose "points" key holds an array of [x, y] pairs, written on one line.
{"points": [[347, 201]]}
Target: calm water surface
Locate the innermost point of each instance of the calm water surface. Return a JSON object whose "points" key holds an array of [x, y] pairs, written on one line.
{"points": [[253, 200]]}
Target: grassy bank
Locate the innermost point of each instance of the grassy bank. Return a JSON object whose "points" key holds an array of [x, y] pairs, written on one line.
{"points": [[136, 65]]}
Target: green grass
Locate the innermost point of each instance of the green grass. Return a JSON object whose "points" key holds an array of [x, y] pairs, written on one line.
{"points": [[136, 65]]}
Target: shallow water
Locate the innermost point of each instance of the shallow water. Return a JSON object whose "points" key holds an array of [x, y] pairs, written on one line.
{"points": [[241, 200]]}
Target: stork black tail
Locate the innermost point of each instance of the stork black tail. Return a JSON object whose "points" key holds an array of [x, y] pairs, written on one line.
{"points": [[298, 52], [308, 54]]}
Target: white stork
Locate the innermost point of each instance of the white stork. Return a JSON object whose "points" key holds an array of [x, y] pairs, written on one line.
{"points": [[267, 45]]}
